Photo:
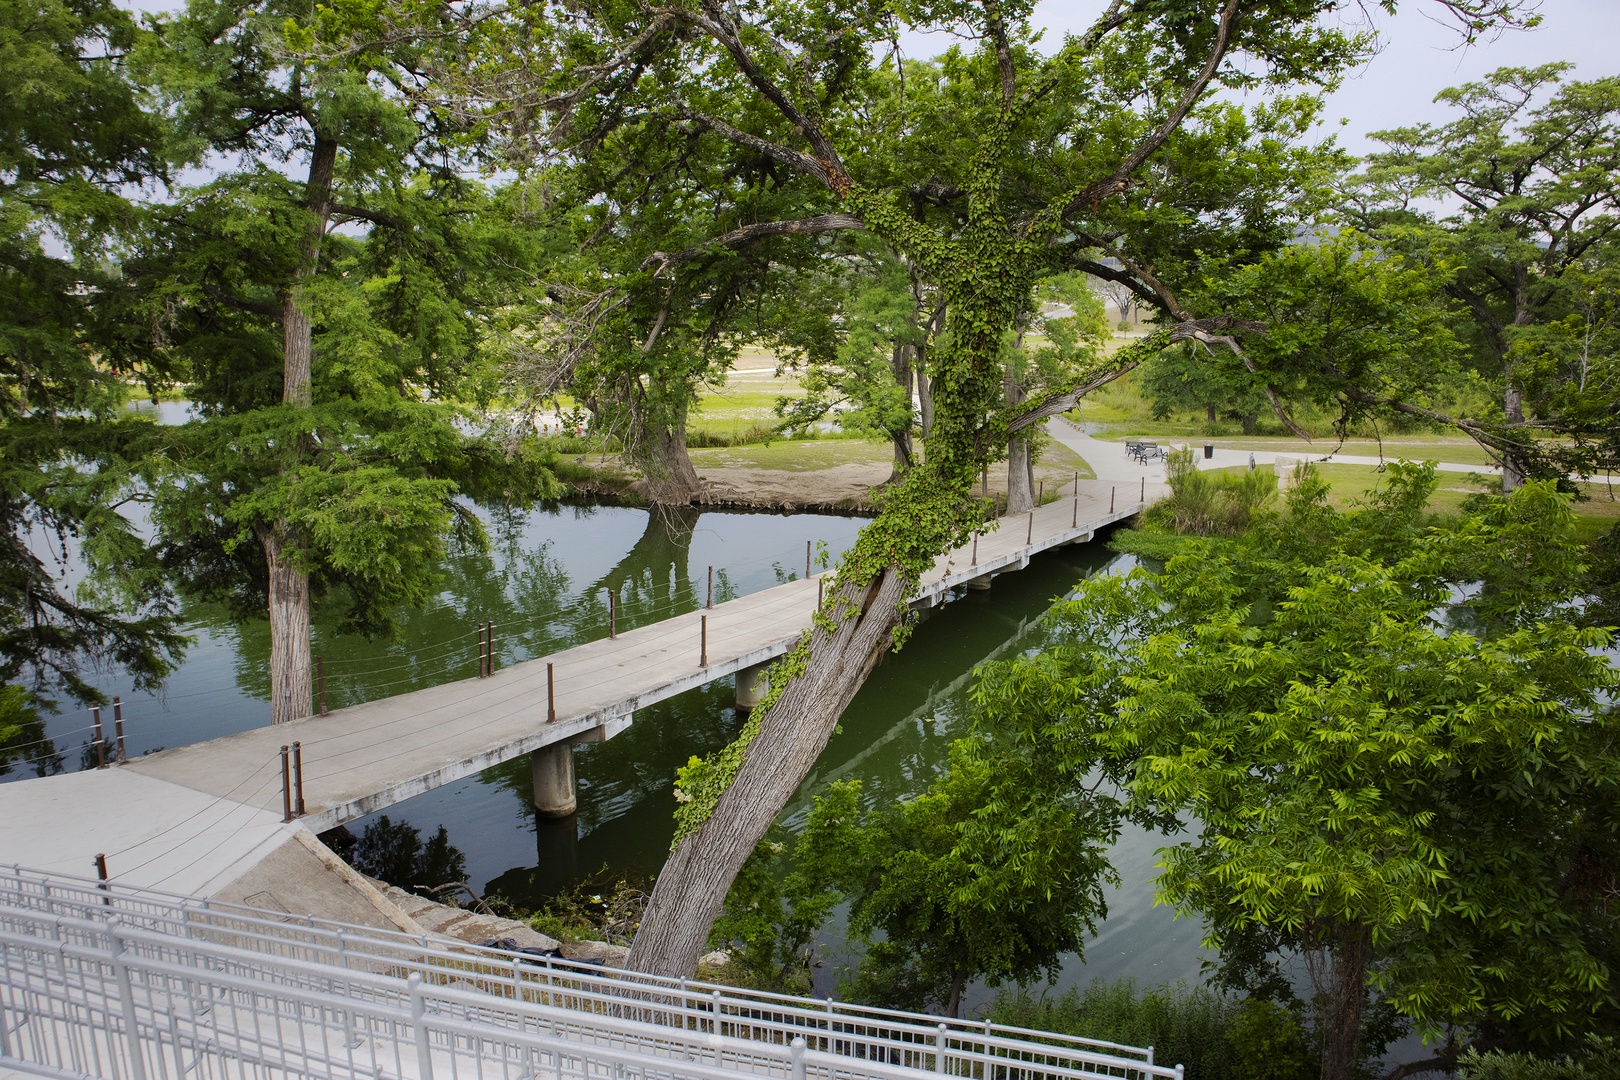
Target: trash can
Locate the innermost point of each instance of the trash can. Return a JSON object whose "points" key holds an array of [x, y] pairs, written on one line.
{"points": [[1209, 450]]}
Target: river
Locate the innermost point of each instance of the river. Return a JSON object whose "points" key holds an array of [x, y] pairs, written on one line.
{"points": [[543, 582]]}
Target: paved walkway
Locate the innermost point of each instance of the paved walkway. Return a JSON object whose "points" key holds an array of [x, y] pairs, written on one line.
{"points": [[192, 818], [1107, 457]]}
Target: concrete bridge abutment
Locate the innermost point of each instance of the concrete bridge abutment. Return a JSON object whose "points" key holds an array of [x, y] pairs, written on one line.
{"points": [[553, 769], [752, 685]]}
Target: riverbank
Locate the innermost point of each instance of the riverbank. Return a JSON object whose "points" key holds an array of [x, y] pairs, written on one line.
{"points": [[836, 476]]}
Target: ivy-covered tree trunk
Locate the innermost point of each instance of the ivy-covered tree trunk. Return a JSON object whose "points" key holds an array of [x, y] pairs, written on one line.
{"points": [[290, 675], [726, 803], [793, 727]]}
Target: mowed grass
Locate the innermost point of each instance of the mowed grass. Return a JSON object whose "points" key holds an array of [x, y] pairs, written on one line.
{"points": [[1057, 465], [1350, 484]]}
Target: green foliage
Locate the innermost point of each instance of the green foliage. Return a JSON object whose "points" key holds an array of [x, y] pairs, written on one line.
{"points": [[1215, 1037], [770, 920], [1417, 794], [1210, 504], [74, 141], [973, 879], [1527, 178], [1599, 1058]]}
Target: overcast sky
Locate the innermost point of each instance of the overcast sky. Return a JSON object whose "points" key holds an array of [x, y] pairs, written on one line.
{"points": [[1420, 57]]}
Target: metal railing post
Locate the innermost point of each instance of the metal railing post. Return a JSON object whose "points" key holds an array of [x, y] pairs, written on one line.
{"points": [[424, 1052], [709, 603], [126, 998], [703, 646], [796, 1058], [551, 692], [101, 742], [286, 785], [939, 1051], [298, 779], [118, 729]]}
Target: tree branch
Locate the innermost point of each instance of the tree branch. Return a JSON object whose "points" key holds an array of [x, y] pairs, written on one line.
{"points": [[1069, 202], [810, 226], [1204, 331]]}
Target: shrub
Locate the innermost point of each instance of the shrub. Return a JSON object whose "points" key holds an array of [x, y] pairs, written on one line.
{"points": [[1215, 1037], [1210, 504], [1600, 1058]]}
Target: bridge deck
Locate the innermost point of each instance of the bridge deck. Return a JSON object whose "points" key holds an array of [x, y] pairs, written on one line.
{"points": [[365, 758]]}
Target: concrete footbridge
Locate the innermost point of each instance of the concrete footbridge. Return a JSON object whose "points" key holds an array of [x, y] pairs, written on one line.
{"points": [[365, 758], [195, 818]]}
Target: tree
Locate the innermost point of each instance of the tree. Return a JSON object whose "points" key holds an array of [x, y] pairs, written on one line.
{"points": [[859, 358], [1351, 330], [1059, 335], [1413, 804], [1109, 145], [73, 140], [973, 879], [327, 365], [1529, 176]]}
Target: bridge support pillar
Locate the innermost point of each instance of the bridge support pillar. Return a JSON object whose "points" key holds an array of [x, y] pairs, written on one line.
{"points": [[751, 686], [980, 584], [553, 768]]}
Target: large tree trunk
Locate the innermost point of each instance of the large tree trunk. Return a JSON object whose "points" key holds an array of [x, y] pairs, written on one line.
{"points": [[669, 476], [693, 885], [1513, 412], [1346, 1000], [925, 394], [289, 628], [290, 676], [1020, 486]]}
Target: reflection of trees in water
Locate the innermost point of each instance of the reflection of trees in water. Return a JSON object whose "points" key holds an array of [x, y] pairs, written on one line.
{"points": [[23, 744], [653, 580], [522, 589]]}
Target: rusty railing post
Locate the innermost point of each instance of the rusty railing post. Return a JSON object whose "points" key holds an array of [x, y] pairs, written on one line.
{"points": [[613, 613], [101, 742], [975, 561], [703, 648], [1143, 496], [320, 683], [551, 692], [298, 779], [709, 603], [118, 729], [807, 560], [1111, 491], [1029, 535], [101, 878], [490, 650], [286, 786]]}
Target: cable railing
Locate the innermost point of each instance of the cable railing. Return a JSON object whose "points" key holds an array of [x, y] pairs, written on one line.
{"points": [[98, 979]]}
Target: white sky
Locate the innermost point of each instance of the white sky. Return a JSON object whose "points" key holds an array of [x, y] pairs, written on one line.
{"points": [[1420, 57]]}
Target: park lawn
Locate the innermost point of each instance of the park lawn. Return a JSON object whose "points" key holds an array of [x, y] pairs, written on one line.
{"points": [[1349, 483], [795, 455], [1057, 465]]}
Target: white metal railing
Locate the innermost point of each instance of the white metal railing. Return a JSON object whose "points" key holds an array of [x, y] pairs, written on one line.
{"points": [[127, 983]]}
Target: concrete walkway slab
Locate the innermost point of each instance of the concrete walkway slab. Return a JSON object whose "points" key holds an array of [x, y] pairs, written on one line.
{"points": [[155, 834]]}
